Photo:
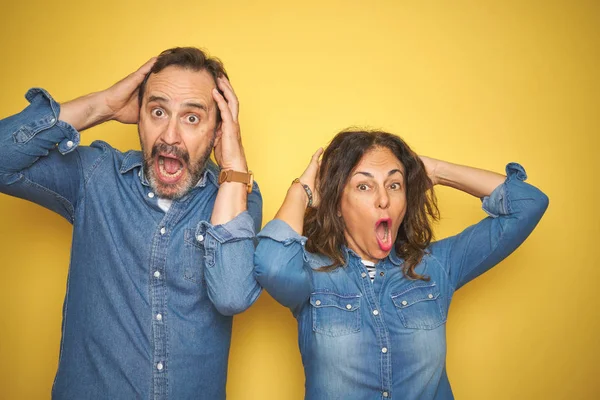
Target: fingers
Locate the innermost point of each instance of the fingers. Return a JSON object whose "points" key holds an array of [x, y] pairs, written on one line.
{"points": [[310, 173], [313, 166], [317, 155], [226, 114], [232, 100], [144, 69]]}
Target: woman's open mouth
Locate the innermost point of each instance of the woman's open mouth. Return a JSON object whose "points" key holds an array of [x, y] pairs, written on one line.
{"points": [[383, 233]]}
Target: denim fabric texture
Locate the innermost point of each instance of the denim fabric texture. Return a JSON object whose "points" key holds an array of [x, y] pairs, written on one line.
{"points": [[150, 295], [386, 339]]}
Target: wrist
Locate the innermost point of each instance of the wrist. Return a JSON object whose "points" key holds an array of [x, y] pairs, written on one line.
{"points": [[441, 173], [307, 193], [238, 177], [236, 166]]}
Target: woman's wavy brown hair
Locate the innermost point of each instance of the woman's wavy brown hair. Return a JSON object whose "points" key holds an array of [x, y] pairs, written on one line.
{"points": [[325, 229]]}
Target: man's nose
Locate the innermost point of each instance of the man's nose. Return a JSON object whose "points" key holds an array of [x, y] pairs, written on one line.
{"points": [[171, 134]]}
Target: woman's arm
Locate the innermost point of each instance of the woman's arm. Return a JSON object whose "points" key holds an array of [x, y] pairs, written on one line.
{"points": [[475, 181], [296, 201], [279, 261], [514, 208]]}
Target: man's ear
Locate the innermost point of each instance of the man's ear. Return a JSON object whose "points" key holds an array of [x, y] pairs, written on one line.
{"points": [[218, 130]]}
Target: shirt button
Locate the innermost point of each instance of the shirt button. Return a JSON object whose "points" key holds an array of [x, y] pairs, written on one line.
{"points": [[430, 296], [70, 144], [52, 120], [200, 238], [404, 302], [156, 274], [163, 230], [381, 273], [159, 366], [375, 312], [385, 394], [384, 350], [318, 302], [159, 317], [348, 306], [364, 275], [151, 195]]}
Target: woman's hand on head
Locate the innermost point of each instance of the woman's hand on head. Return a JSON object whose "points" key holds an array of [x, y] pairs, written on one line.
{"points": [[310, 176], [431, 165]]}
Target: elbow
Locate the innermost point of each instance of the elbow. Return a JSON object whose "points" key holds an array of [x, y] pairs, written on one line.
{"points": [[266, 267], [236, 304], [540, 203]]}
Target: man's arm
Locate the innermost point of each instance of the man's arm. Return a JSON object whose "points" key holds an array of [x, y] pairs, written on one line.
{"points": [[119, 102], [235, 218], [38, 161]]}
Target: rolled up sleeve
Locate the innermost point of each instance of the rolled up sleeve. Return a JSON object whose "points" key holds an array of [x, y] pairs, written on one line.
{"points": [[229, 251], [514, 210], [280, 265], [37, 159]]}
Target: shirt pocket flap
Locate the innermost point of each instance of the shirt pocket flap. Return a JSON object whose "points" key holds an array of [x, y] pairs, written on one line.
{"points": [[343, 302], [416, 294]]}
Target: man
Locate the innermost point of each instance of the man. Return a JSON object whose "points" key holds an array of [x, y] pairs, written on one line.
{"points": [[163, 241]]}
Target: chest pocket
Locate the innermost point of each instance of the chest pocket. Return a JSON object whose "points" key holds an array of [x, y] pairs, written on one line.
{"points": [[420, 307], [193, 258], [334, 314]]}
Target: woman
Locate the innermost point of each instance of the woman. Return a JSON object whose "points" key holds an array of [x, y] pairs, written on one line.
{"points": [[369, 289]]}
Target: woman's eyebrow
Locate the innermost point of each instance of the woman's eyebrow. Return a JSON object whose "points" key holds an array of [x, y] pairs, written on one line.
{"points": [[370, 175]]}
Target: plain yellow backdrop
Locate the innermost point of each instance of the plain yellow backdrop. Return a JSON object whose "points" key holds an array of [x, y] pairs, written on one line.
{"points": [[475, 82]]}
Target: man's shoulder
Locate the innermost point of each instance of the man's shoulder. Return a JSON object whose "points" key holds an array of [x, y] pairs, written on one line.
{"points": [[99, 152]]}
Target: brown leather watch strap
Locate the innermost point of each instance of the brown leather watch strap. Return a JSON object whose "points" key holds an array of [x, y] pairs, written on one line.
{"points": [[229, 175]]}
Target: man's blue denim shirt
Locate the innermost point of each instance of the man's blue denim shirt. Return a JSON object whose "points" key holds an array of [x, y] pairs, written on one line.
{"points": [[386, 339], [150, 295]]}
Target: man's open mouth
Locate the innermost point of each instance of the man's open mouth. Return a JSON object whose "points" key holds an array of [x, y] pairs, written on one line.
{"points": [[169, 168]]}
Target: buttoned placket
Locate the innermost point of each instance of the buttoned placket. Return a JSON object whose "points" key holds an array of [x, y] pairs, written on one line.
{"points": [[159, 268], [370, 290]]}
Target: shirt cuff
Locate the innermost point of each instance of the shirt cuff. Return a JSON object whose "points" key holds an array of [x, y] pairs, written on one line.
{"points": [[280, 231], [241, 227], [498, 203], [45, 113]]}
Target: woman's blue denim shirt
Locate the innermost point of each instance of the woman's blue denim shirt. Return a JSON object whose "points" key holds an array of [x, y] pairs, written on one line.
{"points": [[387, 339]]}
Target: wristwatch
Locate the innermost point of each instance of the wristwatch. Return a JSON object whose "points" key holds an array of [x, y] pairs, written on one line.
{"points": [[229, 175]]}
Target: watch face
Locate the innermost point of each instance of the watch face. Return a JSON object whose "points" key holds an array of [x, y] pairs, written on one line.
{"points": [[222, 176]]}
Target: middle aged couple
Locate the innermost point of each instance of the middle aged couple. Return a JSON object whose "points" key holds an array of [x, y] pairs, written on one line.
{"points": [[163, 251]]}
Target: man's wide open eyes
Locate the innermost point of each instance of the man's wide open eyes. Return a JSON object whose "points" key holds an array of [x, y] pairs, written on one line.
{"points": [[157, 112]]}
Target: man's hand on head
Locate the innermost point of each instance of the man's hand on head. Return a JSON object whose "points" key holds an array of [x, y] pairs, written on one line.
{"points": [[119, 102], [122, 98], [229, 151]]}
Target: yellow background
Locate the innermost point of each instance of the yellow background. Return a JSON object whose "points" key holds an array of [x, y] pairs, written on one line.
{"points": [[474, 82]]}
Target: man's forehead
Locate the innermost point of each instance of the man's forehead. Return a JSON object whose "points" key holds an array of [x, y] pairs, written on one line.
{"points": [[176, 82]]}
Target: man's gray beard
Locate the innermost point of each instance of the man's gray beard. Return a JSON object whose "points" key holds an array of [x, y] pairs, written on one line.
{"points": [[193, 177]]}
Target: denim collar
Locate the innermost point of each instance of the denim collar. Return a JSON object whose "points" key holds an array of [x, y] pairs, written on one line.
{"points": [[393, 257]]}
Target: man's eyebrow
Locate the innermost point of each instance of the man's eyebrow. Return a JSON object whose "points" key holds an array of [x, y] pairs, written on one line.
{"points": [[157, 98], [196, 105], [161, 99]]}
